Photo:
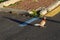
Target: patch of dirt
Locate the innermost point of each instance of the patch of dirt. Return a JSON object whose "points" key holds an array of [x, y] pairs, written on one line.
{"points": [[30, 4]]}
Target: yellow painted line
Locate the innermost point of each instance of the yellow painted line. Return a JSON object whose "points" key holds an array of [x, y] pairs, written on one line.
{"points": [[53, 12]]}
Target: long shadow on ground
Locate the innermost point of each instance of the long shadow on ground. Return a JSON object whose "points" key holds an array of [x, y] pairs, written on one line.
{"points": [[55, 21], [18, 21]]}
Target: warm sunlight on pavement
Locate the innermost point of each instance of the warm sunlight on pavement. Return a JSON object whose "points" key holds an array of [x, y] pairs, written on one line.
{"points": [[53, 12]]}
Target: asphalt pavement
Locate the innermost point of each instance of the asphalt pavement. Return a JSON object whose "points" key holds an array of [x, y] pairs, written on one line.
{"points": [[10, 30]]}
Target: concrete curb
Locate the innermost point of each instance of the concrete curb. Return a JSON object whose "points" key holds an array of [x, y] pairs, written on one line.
{"points": [[7, 3], [43, 12], [50, 8]]}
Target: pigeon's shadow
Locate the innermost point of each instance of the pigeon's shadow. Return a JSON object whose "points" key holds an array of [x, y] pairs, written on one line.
{"points": [[55, 21], [18, 21]]}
